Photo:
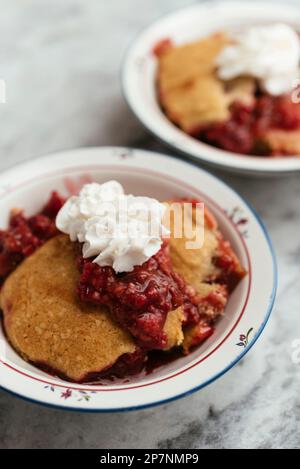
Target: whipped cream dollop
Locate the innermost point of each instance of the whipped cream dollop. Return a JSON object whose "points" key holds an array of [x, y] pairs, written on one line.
{"points": [[269, 53], [119, 230]]}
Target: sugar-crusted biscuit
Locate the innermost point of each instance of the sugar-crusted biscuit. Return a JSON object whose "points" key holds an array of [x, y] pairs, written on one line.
{"points": [[47, 324], [189, 89], [283, 142]]}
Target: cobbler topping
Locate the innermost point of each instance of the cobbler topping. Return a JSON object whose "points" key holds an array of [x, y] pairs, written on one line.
{"points": [[139, 300], [117, 230], [26, 234], [269, 53]]}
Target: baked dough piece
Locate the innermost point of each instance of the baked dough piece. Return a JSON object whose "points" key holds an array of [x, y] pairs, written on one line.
{"points": [[189, 89], [199, 269], [196, 266], [49, 326], [283, 142], [46, 323], [173, 328], [200, 102], [182, 64]]}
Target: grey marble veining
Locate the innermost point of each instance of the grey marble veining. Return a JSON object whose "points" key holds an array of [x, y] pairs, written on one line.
{"points": [[61, 62]]}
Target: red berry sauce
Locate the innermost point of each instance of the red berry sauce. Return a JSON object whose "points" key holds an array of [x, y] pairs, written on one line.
{"points": [[139, 300], [244, 131], [25, 235]]}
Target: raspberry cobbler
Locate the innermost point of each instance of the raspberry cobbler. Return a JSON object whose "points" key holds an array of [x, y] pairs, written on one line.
{"points": [[87, 313], [234, 91]]}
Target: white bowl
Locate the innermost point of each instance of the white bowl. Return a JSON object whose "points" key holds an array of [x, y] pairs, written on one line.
{"points": [[28, 186], [139, 77]]}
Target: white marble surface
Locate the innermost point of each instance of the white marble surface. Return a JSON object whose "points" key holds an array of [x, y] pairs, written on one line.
{"points": [[61, 62]]}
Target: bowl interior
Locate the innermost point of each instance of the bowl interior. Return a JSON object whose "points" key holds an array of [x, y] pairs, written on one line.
{"points": [[31, 195], [140, 66]]}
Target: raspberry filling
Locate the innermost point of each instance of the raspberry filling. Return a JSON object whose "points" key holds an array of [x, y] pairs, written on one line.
{"points": [[139, 300], [162, 46], [244, 131], [25, 235]]}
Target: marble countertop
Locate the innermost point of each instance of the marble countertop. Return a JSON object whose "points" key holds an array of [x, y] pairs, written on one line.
{"points": [[60, 61]]}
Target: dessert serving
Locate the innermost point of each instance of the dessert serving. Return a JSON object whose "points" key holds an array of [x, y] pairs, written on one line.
{"points": [[90, 292], [236, 91]]}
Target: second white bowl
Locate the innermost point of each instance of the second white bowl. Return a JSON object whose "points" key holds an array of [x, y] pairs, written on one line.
{"points": [[139, 77]]}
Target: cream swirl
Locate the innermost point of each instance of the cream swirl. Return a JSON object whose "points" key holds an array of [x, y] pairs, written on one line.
{"points": [[268, 53], [119, 230]]}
